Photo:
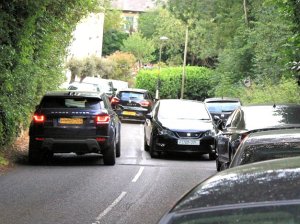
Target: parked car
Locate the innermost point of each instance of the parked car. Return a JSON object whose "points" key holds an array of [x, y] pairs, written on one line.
{"points": [[83, 86], [132, 104], [176, 125], [74, 121], [265, 192], [247, 119], [221, 108], [266, 145], [103, 85]]}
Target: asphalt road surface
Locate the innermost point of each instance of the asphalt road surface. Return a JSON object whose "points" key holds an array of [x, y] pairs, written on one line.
{"points": [[81, 190]]}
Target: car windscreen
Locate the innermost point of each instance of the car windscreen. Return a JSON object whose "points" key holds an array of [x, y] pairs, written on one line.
{"points": [[222, 106], [262, 152], [63, 103], [182, 110], [126, 96], [257, 117]]}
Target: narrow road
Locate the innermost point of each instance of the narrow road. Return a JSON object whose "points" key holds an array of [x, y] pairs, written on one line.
{"points": [[80, 189]]}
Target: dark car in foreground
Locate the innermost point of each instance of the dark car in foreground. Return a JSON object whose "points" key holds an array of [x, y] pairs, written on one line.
{"points": [[264, 192], [132, 104], [74, 121], [179, 126], [220, 108], [248, 119], [267, 145]]}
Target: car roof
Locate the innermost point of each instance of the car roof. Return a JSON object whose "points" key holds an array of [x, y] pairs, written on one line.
{"points": [[271, 105], [73, 93], [220, 99], [133, 90], [239, 185]]}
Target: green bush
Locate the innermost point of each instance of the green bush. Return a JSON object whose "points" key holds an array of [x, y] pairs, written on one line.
{"points": [[287, 91], [197, 82]]}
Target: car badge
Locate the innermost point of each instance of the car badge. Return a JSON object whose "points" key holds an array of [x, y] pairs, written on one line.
{"points": [[222, 115], [188, 134]]}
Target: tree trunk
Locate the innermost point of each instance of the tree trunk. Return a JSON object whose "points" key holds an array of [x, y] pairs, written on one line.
{"points": [[246, 12]]}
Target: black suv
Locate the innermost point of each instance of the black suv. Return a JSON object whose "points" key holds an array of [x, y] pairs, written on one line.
{"points": [[74, 121], [132, 104]]}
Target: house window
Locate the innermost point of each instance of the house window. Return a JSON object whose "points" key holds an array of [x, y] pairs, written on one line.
{"points": [[129, 20]]}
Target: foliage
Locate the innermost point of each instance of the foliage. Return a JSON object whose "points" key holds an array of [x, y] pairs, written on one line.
{"points": [[197, 84], [123, 63], [113, 41], [249, 39], [113, 35], [287, 91], [34, 36], [140, 47]]}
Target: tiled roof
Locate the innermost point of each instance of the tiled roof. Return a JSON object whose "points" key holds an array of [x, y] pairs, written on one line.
{"points": [[133, 5]]}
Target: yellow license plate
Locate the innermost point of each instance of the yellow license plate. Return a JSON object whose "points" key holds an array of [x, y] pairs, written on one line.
{"points": [[130, 113], [71, 121]]}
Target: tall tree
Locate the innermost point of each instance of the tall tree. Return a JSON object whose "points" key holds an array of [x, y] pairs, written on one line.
{"points": [[140, 47]]}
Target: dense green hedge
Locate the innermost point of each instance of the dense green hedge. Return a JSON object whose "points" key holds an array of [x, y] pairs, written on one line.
{"points": [[197, 82], [34, 36]]}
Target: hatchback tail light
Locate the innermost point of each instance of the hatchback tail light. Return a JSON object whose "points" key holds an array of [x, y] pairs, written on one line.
{"points": [[115, 100], [102, 119], [145, 103], [39, 118]]}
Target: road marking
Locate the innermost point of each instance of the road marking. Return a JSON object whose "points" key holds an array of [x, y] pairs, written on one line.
{"points": [[109, 208], [138, 174]]}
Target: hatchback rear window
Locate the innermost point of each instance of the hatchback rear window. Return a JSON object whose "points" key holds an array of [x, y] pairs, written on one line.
{"points": [[82, 103], [219, 107], [131, 96]]}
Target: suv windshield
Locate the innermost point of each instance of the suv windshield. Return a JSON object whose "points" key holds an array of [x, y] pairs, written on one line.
{"points": [[83, 103]]}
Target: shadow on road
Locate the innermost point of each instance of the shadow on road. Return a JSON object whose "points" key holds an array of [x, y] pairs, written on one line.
{"points": [[69, 159], [184, 157]]}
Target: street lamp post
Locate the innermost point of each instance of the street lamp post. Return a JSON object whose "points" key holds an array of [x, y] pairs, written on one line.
{"points": [[162, 39], [184, 62]]}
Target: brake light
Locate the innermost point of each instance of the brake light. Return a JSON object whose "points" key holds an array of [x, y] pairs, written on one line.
{"points": [[115, 101], [102, 119], [145, 103], [39, 118], [100, 139]]}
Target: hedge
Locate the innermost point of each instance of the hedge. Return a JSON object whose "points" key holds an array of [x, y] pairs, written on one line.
{"points": [[198, 85]]}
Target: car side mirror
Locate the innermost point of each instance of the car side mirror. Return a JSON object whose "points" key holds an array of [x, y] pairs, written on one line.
{"points": [[149, 116], [220, 124], [216, 118]]}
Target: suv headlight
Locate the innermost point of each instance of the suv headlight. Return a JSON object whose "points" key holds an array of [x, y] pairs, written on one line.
{"points": [[162, 131]]}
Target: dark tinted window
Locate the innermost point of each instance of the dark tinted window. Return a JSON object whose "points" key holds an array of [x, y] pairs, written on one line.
{"points": [[256, 153], [221, 106], [287, 212], [83, 103]]}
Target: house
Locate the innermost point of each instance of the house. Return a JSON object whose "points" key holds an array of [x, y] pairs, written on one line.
{"points": [[131, 9], [87, 37]]}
